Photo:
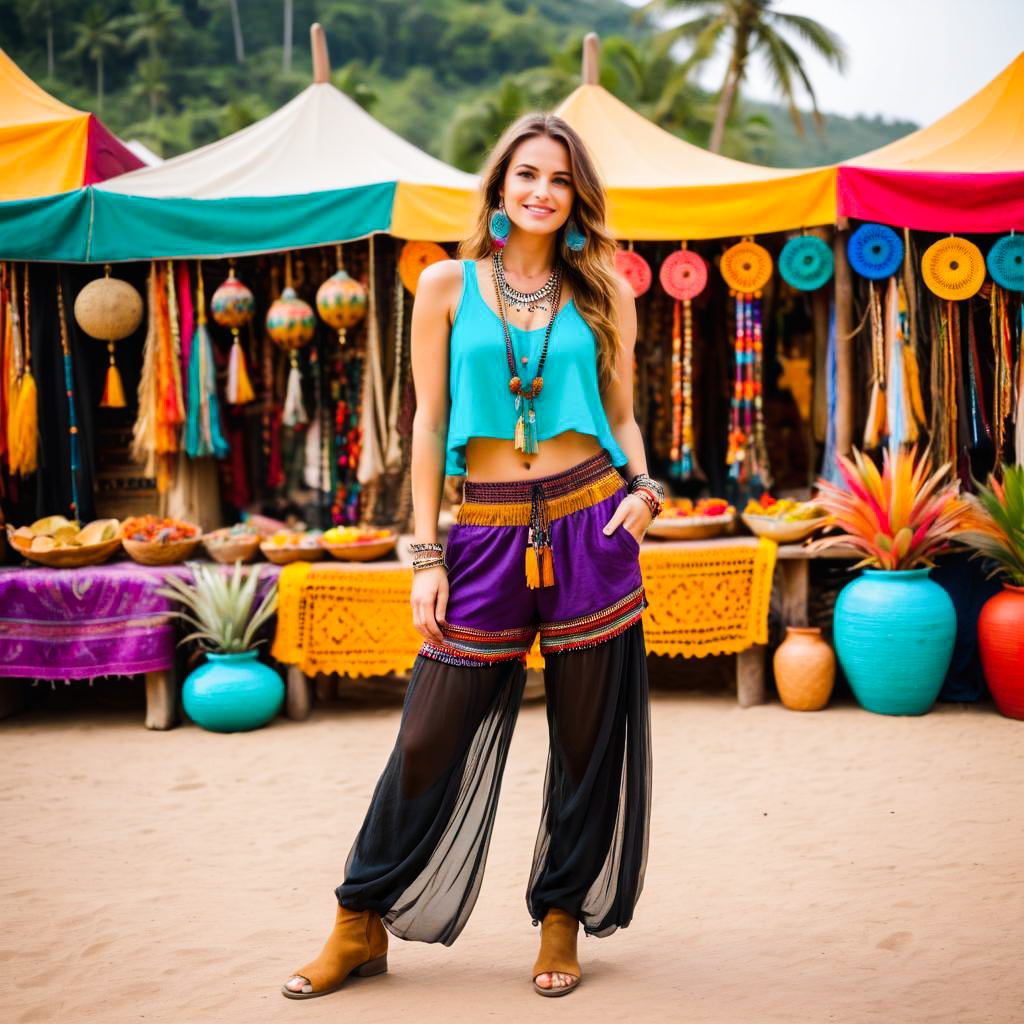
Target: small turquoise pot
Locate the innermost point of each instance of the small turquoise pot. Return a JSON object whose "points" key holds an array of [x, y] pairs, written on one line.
{"points": [[232, 692], [893, 634]]}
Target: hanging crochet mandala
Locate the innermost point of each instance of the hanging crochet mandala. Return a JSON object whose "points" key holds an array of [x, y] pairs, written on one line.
{"points": [[415, 258], [290, 321], [875, 251], [635, 269], [231, 305], [1006, 262], [683, 275], [805, 262], [953, 268], [746, 267]]}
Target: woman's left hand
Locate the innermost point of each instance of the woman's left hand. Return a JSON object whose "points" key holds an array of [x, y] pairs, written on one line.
{"points": [[633, 514]]}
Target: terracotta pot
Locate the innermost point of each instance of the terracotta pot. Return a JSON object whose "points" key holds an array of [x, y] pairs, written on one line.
{"points": [[805, 669], [1001, 639]]}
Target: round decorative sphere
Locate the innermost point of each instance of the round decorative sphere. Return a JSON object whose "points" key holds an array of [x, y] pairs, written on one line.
{"points": [[290, 321], [108, 309], [232, 303], [341, 301], [232, 693]]}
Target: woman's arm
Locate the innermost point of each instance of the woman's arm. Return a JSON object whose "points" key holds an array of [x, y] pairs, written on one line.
{"points": [[618, 406], [431, 330]]}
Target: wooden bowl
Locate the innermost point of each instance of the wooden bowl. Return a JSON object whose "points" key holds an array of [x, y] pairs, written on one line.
{"points": [[361, 551], [780, 530], [237, 548], [690, 527], [151, 552], [70, 557], [282, 554]]}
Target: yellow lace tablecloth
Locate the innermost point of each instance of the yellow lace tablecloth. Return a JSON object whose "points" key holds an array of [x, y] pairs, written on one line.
{"points": [[704, 598]]}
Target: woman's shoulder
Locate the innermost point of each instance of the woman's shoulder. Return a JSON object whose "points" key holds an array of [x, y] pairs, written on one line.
{"points": [[440, 275]]}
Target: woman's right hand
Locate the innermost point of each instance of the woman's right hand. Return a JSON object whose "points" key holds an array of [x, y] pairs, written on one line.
{"points": [[429, 601]]}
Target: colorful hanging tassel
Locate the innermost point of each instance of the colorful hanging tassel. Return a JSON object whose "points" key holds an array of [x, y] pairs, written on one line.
{"points": [[113, 389], [239, 389], [25, 423], [294, 410], [69, 385], [1018, 434], [875, 427], [203, 435]]}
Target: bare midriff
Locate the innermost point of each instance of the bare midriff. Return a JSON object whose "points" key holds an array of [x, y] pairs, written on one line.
{"points": [[494, 460]]}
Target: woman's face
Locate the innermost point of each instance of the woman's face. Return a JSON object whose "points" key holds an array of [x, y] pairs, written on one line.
{"points": [[538, 189]]}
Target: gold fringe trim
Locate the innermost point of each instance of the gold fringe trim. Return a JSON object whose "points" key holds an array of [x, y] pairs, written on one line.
{"points": [[518, 514]]}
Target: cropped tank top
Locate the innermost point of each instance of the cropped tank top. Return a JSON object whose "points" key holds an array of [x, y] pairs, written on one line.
{"points": [[481, 403]]}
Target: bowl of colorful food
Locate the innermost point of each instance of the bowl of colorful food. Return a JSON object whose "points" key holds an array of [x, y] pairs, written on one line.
{"points": [[358, 543], [290, 546], [683, 519], [239, 543], [159, 540], [784, 520]]}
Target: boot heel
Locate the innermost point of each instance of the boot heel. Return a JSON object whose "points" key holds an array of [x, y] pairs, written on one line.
{"points": [[372, 967]]}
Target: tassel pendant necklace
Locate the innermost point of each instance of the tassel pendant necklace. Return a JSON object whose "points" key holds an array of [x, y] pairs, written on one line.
{"points": [[526, 424]]}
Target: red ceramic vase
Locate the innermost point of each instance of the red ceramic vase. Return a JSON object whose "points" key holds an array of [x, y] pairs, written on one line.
{"points": [[1001, 639]]}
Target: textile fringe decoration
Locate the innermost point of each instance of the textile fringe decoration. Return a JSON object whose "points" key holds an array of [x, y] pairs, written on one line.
{"points": [[1019, 414], [24, 444], [374, 417], [203, 434], [518, 513], [239, 389], [875, 428], [69, 386], [294, 410], [980, 433]]}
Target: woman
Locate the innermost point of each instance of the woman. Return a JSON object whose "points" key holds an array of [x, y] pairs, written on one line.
{"points": [[522, 363]]}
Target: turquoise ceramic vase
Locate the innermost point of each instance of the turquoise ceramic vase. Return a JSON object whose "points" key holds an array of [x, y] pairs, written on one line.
{"points": [[893, 634], [232, 692]]}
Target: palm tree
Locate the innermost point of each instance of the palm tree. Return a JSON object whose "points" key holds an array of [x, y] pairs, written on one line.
{"points": [[43, 10], [152, 23], [95, 37], [236, 31], [752, 27]]}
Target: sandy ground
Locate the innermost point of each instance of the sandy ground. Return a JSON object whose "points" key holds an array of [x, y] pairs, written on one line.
{"points": [[835, 867]]}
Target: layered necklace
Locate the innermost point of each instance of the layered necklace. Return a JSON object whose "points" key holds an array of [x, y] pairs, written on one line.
{"points": [[526, 425]]}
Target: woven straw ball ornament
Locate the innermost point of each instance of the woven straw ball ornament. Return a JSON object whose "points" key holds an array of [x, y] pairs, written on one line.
{"points": [[875, 251], [290, 321], [953, 268], [746, 267], [231, 305], [635, 269], [805, 263], [109, 310], [1006, 262], [683, 275], [341, 302], [415, 258]]}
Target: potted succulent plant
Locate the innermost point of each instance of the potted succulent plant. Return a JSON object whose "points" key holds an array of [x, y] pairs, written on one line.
{"points": [[232, 690], [894, 627], [994, 528]]}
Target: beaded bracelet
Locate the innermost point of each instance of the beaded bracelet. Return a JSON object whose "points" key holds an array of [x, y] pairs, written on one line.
{"points": [[649, 500], [427, 546], [429, 563]]}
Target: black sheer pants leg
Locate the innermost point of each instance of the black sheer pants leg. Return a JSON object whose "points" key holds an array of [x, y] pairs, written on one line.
{"points": [[591, 850], [419, 858]]}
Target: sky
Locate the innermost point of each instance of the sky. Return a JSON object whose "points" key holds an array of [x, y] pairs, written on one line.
{"points": [[911, 60]]}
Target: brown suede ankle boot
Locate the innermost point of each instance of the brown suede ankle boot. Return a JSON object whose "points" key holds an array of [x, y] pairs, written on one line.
{"points": [[358, 945], [557, 953]]}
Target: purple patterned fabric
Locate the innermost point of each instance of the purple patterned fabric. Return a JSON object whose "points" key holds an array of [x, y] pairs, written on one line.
{"points": [[81, 623]]}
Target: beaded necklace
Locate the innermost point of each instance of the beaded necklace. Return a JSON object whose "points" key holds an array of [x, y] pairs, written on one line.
{"points": [[526, 426], [517, 299]]}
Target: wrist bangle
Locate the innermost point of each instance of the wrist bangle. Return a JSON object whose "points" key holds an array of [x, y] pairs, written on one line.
{"points": [[430, 563], [427, 546]]}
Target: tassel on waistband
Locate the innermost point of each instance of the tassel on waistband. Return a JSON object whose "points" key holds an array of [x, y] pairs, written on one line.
{"points": [[518, 513]]}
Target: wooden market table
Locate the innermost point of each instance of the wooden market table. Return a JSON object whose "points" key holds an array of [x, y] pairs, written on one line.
{"points": [[98, 620], [705, 597]]}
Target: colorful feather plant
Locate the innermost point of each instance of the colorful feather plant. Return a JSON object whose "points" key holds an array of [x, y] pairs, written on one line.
{"points": [[994, 524]]}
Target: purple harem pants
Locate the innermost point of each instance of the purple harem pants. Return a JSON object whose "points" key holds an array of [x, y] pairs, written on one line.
{"points": [[419, 857]]}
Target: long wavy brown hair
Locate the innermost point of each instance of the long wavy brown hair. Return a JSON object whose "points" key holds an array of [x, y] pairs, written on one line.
{"points": [[591, 271]]}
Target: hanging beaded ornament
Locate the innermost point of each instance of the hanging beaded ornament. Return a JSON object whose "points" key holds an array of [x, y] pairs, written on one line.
{"points": [[875, 251], [684, 276], [635, 269], [1005, 262], [415, 258], [805, 263], [290, 324], [231, 306], [746, 267], [341, 300], [953, 268], [110, 310]]}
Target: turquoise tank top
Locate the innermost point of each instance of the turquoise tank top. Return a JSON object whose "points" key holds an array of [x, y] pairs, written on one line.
{"points": [[483, 406]]}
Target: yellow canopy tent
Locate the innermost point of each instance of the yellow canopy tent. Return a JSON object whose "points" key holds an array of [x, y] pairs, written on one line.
{"points": [[46, 146]]}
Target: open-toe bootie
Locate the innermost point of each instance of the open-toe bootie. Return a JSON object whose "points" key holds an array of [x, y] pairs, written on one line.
{"points": [[557, 952], [358, 945]]}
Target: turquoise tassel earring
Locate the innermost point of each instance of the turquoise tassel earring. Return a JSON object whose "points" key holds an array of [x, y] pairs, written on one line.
{"points": [[499, 227], [575, 240]]}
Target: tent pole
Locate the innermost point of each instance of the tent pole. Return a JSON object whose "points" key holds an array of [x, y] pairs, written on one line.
{"points": [[591, 58], [321, 62], [844, 341]]}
